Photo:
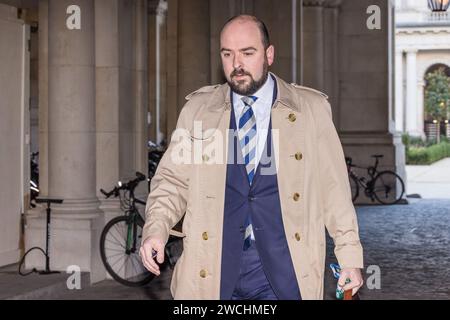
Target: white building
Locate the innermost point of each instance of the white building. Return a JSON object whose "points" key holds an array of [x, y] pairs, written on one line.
{"points": [[422, 46]]}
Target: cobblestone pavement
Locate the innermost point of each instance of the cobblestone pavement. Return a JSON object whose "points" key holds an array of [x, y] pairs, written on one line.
{"points": [[410, 244]]}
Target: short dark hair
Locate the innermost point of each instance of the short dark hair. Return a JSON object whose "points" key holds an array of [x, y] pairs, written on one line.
{"points": [[260, 24]]}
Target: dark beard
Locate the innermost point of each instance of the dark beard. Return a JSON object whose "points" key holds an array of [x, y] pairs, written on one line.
{"points": [[254, 85]]}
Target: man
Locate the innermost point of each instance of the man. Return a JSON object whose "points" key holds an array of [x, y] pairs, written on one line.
{"points": [[254, 226]]}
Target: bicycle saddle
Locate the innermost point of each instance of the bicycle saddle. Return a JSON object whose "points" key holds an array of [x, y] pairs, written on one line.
{"points": [[377, 156]]}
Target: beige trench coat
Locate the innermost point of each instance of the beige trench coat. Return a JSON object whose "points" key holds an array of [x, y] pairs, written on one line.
{"points": [[312, 178]]}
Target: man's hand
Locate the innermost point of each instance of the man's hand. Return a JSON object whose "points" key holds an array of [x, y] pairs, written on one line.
{"points": [[356, 280], [150, 246]]}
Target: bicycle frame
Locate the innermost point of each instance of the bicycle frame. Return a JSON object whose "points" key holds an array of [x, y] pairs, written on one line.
{"points": [[134, 216], [371, 171]]}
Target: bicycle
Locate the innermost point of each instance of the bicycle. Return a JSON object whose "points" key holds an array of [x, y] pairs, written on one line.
{"points": [[121, 238], [386, 186]]}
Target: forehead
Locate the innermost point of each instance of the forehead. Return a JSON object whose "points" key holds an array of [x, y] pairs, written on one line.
{"points": [[240, 34]]}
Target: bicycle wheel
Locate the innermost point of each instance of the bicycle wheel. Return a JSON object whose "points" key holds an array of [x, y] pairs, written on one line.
{"points": [[119, 248], [354, 187], [388, 187]]}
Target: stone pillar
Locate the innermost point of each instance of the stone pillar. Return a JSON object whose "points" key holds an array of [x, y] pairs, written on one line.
{"points": [[399, 116], [157, 66], [107, 75], [141, 93], [411, 93], [172, 66], [331, 55], [220, 12], [193, 47], [188, 53], [43, 97], [366, 84], [420, 107], [279, 20], [313, 44], [71, 143]]}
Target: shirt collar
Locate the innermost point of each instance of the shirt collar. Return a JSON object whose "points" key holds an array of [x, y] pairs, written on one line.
{"points": [[264, 94]]}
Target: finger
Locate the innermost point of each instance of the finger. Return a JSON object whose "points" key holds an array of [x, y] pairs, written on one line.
{"points": [[146, 263], [355, 290], [153, 268], [150, 261], [355, 283], [143, 256], [160, 253], [350, 285], [153, 265], [342, 279]]}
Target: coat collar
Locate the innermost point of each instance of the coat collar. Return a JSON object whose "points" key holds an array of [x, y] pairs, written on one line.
{"points": [[221, 98]]}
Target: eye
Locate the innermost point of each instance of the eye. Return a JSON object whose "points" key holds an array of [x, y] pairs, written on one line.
{"points": [[248, 53], [226, 54]]}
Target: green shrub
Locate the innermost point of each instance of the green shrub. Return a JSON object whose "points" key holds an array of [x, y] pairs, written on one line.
{"points": [[409, 141], [427, 154]]}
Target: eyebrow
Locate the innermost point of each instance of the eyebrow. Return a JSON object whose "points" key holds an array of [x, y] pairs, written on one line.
{"points": [[243, 49]]}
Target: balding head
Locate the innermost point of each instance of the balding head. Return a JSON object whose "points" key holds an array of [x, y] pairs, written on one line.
{"points": [[245, 18], [246, 53]]}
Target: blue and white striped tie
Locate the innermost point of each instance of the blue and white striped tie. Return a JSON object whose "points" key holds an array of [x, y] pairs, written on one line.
{"points": [[247, 139]]}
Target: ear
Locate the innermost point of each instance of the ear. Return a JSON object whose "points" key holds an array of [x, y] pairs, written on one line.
{"points": [[270, 52]]}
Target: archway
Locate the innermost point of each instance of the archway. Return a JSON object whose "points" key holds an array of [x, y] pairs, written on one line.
{"points": [[431, 125]]}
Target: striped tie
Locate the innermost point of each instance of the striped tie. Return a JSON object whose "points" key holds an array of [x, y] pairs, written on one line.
{"points": [[247, 139]]}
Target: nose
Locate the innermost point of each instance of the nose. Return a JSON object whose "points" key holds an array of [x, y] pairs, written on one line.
{"points": [[237, 64]]}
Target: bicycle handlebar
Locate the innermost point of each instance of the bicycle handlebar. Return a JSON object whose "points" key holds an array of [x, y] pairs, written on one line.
{"points": [[130, 185]]}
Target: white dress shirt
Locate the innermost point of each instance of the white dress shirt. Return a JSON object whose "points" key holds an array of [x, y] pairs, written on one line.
{"points": [[262, 110]]}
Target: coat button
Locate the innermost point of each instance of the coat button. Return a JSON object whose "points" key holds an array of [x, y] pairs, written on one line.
{"points": [[298, 156], [297, 236], [205, 236], [292, 117], [205, 157], [296, 196], [203, 273]]}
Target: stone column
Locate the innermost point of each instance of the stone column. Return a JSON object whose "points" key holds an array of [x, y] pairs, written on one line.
{"points": [[43, 97], [220, 12], [411, 92], [366, 84], [188, 53], [141, 93], [313, 44], [157, 40], [399, 116], [279, 20], [72, 107], [107, 75], [420, 107], [71, 141], [172, 66], [331, 55], [193, 47]]}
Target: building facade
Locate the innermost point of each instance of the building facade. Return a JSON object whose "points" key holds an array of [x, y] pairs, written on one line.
{"points": [[91, 98], [422, 46]]}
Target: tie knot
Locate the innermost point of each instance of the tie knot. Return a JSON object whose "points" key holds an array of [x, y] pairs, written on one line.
{"points": [[249, 100]]}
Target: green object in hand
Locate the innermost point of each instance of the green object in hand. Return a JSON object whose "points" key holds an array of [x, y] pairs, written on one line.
{"points": [[340, 291]]}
